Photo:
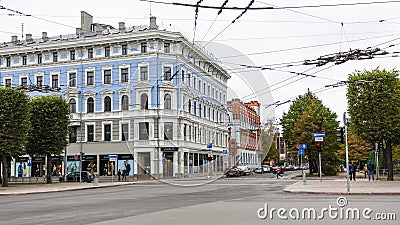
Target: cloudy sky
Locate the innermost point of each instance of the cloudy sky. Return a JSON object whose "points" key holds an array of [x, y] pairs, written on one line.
{"points": [[278, 40]]}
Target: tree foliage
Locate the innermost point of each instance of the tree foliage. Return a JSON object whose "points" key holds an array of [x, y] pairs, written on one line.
{"points": [[374, 108], [308, 115], [49, 128], [14, 124], [358, 148]]}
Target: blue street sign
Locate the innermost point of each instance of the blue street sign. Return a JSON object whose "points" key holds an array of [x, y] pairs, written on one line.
{"points": [[112, 156], [301, 152], [29, 162], [209, 145], [304, 146], [318, 134], [224, 151]]}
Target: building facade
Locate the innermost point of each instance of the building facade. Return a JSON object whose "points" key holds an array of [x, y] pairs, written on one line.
{"points": [[245, 133], [147, 95]]}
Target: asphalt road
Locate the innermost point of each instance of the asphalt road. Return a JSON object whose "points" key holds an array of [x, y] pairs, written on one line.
{"points": [[240, 200]]}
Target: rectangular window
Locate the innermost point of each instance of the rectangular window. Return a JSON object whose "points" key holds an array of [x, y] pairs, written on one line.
{"points": [[125, 132], [55, 56], [90, 53], [39, 58], [107, 132], [144, 73], [184, 131], [167, 73], [73, 131], [144, 131], [168, 131], [8, 61], [24, 81], [90, 78], [107, 76], [143, 47], [72, 55], [107, 52], [8, 82], [24, 60], [167, 48], [54, 81], [124, 49], [90, 133], [39, 81], [183, 77], [124, 75], [72, 79]]}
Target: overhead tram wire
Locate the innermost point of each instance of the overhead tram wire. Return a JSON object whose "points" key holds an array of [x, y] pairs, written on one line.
{"points": [[272, 8], [312, 46], [219, 12], [268, 90], [306, 14], [196, 15], [233, 21]]}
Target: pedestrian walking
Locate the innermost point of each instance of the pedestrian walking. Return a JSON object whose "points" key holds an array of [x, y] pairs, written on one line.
{"points": [[128, 169], [370, 167], [352, 171], [124, 174], [278, 172], [119, 174]]}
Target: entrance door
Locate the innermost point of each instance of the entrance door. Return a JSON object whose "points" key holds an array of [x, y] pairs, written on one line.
{"points": [[168, 162]]}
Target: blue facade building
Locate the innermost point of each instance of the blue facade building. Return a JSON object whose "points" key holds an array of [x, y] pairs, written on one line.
{"points": [[146, 94]]}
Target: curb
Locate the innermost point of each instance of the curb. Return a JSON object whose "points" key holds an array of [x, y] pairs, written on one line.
{"points": [[338, 193]]}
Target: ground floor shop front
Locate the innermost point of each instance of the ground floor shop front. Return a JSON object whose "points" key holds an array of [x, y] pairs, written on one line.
{"points": [[153, 162]]}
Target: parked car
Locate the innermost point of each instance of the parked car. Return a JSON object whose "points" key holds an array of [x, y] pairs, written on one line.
{"points": [[290, 168], [245, 170], [259, 170], [266, 168], [233, 172], [74, 176]]}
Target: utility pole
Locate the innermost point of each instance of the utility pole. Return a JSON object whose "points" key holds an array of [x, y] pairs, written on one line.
{"points": [[347, 151]]}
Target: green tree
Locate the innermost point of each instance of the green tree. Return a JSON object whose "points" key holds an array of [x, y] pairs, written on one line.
{"points": [[49, 128], [14, 125], [308, 115], [374, 108], [269, 149], [358, 148]]}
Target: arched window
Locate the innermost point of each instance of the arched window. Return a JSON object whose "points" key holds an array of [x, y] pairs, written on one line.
{"points": [[125, 103], [90, 105], [107, 104], [72, 105], [167, 101], [144, 102]]}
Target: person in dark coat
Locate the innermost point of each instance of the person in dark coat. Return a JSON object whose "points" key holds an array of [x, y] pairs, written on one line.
{"points": [[370, 167]]}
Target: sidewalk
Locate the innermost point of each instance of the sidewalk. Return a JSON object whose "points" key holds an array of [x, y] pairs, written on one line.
{"points": [[16, 189], [339, 186]]}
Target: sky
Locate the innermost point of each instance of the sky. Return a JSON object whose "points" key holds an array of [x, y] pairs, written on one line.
{"points": [[278, 40]]}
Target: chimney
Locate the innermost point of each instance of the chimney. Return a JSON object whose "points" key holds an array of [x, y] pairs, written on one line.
{"points": [[14, 38], [28, 37], [121, 26], [44, 36], [153, 23], [86, 21]]}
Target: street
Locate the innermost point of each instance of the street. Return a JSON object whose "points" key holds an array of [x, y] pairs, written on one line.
{"points": [[224, 201]]}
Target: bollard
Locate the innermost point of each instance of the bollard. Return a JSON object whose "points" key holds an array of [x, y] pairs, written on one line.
{"points": [[95, 181]]}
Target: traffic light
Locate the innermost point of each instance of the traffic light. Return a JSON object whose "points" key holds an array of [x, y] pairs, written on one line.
{"points": [[319, 147], [380, 146], [340, 135]]}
